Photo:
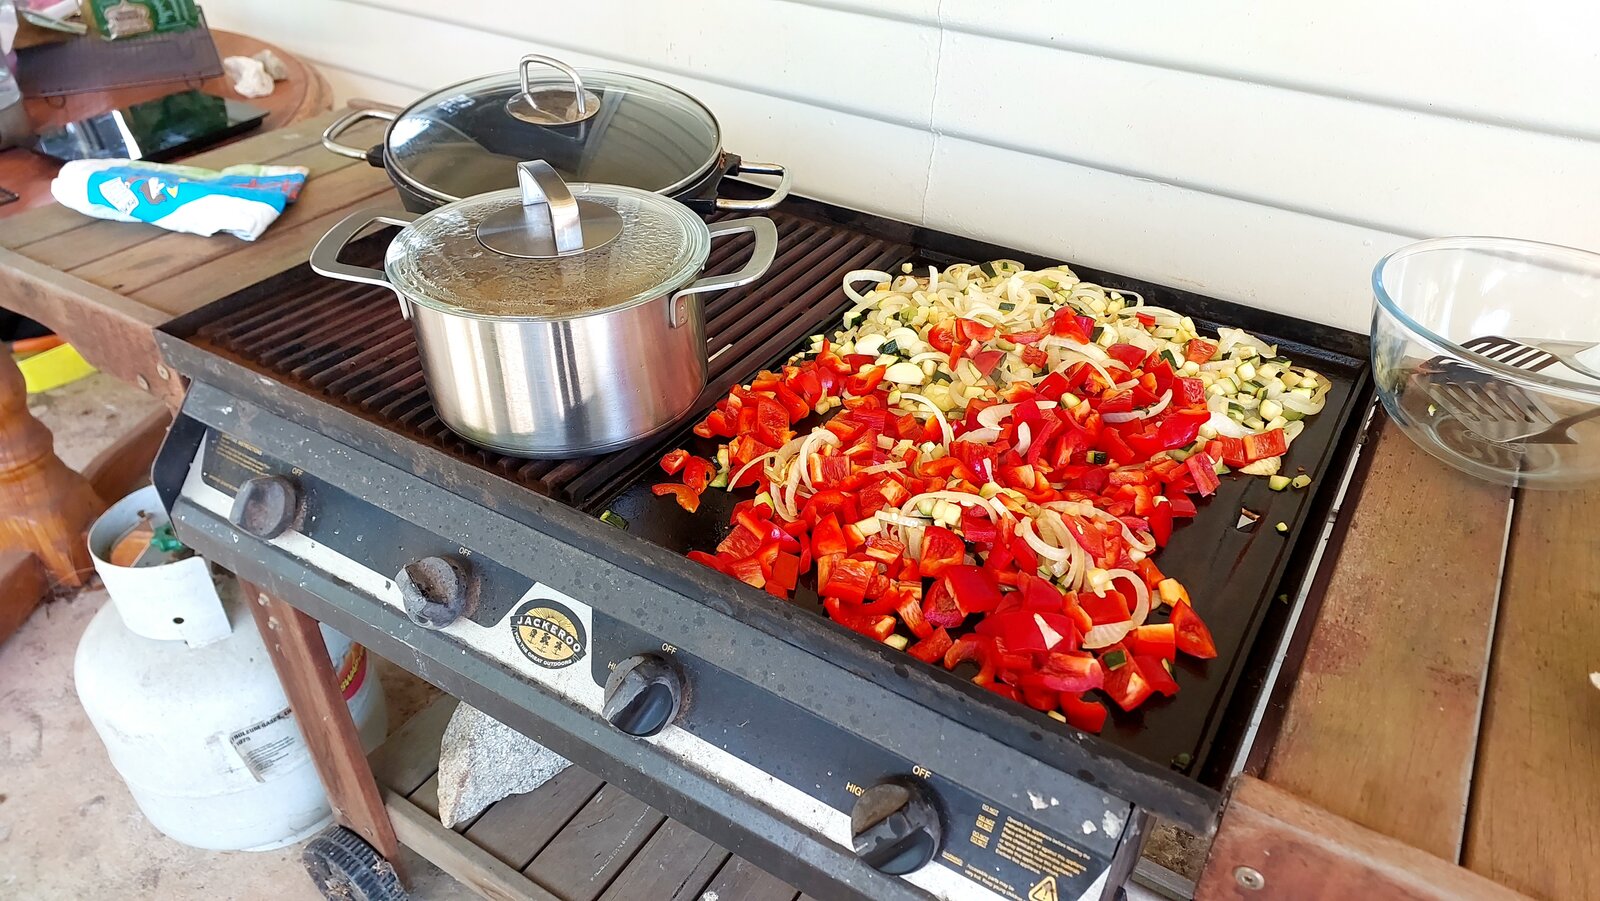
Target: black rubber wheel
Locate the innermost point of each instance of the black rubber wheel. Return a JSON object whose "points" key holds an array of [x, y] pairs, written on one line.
{"points": [[345, 868]]}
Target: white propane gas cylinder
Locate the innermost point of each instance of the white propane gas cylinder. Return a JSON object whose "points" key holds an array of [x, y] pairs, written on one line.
{"points": [[203, 735]]}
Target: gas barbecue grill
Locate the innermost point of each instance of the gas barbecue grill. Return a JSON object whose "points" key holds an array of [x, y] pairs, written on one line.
{"points": [[309, 460]]}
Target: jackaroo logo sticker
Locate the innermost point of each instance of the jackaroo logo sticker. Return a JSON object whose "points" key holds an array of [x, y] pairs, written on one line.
{"points": [[548, 633]]}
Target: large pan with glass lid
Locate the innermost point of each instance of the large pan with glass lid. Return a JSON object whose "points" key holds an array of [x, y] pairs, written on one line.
{"points": [[555, 320], [590, 125]]}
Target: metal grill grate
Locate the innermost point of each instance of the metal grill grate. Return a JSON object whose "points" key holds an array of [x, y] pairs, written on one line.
{"points": [[349, 345]]}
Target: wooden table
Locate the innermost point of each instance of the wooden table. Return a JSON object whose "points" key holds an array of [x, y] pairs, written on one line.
{"points": [[1442, 739], [302, 94], [45, 507]]}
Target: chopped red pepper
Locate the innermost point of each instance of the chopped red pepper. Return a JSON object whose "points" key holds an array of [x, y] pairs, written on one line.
{"points": [[686, 496], [1199, 350], [697, 473], [1205, 473], [1266, 444], [866, 381], [933, 647], [1155, 671], [849, 580], [1111, 607], [1089, 716], [827, 537], [974, 647], [974, 588], [941, 549], [1193, 638], [1127, 686], [1067, 672], [1155, 640], [940, 609], [674, 460]]}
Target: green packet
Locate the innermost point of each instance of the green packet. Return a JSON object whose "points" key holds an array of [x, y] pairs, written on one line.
{"points": [[127, 18]]}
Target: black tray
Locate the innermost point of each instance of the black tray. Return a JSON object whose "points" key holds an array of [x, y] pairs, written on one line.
{"points": [[1232, 575]]}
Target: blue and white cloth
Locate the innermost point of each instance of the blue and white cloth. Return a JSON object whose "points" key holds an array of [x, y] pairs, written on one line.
{"points": [[239, 200]]}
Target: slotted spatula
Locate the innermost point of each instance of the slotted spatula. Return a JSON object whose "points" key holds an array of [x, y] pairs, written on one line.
{"points": [[1535, 357], [1495, 410]]}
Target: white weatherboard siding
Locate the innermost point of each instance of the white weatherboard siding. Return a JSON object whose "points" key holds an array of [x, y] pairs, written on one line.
{"points": [[1262, 152]]}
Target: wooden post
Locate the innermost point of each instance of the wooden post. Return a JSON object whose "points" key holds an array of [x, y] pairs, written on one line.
{"points": [[294, 642], [45, 507], [22, 584]]}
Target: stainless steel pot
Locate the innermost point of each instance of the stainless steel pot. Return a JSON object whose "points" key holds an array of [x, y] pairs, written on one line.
{"points": [[590, 125], [554, 320]]}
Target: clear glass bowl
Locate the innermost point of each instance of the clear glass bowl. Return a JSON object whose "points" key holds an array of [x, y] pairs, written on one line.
{"points": [[1509, 425]]}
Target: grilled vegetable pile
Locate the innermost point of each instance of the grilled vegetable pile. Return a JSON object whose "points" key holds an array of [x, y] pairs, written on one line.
{"points": [[998, 454]]}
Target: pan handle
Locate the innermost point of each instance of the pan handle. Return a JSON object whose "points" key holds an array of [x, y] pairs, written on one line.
{"points": [[766, 203], [343, 123], [761, 257], [325, 256]]}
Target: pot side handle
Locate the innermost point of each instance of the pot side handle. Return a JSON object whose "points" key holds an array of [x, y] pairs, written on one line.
{"points": [[728, 204], [325, 256], [761, 257], [342, 124]]}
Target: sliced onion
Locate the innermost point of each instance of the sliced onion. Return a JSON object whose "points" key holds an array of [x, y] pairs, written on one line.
{"points": [[1025, 529], [1303, 405], [770, 455], [884, 467], [1141, 603], [991, 417], [1024, 438], [958, 497], [982, 436], [944, 424], [899, 519], [1229, 338], [1166, 398], [1107, 634]]}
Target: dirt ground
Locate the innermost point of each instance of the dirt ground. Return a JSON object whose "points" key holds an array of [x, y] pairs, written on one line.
{"points": [[69, 829]]}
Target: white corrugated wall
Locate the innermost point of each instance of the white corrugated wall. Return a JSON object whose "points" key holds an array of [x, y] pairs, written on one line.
{"points": [[1262, 152]]}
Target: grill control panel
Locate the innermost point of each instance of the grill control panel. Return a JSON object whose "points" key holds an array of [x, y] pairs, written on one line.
{"points": [[898, 815]]}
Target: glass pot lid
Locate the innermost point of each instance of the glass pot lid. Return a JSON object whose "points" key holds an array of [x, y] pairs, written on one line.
{"points": [[590, 125], [548, 250]]}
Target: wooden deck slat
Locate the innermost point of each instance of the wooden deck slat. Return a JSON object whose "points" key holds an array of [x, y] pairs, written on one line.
{"points": [[741, 880], [468, 863], [582, 860], [411, 754], [426, 797], [674, 865], [1382, 731], [1535, 811], [519, 827]]}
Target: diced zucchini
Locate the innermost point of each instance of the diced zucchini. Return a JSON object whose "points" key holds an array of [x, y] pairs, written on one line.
{"points": [[1271, 409], [1098, 331], [1277, 422], [870, 526], [898, 642], [890, 347], [1300, 481], [1255, 423], [1007, 306], [1246, 372], [1114, 659], [1278, 483], [1097, 457], [765, 498], [612, 519], [1282, 527], [721, 480]]}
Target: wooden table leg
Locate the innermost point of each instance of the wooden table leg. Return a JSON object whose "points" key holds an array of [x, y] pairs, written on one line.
{"points": [[22, 584], [294, 641], [45, 507]]}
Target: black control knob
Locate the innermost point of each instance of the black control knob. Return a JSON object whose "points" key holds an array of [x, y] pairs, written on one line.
{"points": [[437, 591], [265, 506], [643, 695], [895, 827]]}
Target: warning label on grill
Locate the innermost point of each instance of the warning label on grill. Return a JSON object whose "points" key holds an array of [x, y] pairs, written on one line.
{"points": [[1017, 861], [231, 462]]}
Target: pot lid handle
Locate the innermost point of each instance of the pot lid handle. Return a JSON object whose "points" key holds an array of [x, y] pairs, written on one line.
{"points": [[551, 106], [543, 186], [549, 222]]}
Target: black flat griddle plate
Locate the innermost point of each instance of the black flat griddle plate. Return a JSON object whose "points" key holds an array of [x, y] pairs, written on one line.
{"points": [[1232, 575]]}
